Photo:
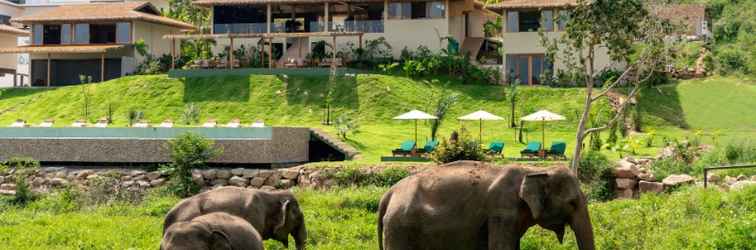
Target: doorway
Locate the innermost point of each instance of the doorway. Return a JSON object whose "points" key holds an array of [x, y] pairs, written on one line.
{"points": [[527, 68]]}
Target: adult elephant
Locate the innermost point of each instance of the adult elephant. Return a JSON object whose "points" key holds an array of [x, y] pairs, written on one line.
{"points": [[274, 214], [470, 205], [217, 231]]}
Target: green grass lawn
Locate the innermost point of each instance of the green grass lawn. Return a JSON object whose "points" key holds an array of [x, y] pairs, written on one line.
{"points": [[344, 218], [725, 104]]}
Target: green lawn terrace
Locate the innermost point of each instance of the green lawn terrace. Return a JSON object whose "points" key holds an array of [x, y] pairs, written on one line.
{"points": [[676, 110]]}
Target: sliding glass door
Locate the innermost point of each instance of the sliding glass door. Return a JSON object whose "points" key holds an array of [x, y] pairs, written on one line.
{"points": [[527, 68]]}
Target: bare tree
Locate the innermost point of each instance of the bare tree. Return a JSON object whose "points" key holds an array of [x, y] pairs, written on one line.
{"points": [[628, 33]]}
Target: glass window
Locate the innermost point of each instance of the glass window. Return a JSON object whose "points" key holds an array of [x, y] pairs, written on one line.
{"points": [[548, 20], [436, 9], [400, 10], [4, 19], [123, 33], [38, 31], [529, 21], [81, 33], [512, 21], [564, 17], [51, 34], [65, 34]]}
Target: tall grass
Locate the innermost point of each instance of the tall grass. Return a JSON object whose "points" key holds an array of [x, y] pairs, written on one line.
{"points": [[345, 218]]}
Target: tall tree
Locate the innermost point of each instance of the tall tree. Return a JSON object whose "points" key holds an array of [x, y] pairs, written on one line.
{"points": [[628, 33]]}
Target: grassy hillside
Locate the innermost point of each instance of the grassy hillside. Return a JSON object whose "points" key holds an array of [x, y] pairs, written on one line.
{"points": [[725, 104], [294, 101], [345, 219]]}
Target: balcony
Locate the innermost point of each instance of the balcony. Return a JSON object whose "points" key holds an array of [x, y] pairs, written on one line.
{"points": [[366, 26]]}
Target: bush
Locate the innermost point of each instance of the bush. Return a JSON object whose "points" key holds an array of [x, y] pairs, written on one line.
{"points": [[668, 166], [21, 168], [188, 151], [458, 147], [386, 178], [596, 172]]}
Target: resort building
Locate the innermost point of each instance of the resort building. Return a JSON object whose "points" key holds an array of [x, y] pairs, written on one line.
{"points": [[293, 26], [524, 56], [691, 17], [95, 40]]}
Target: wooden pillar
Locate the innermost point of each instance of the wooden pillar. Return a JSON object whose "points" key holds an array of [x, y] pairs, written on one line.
{"points": [[15, 79], [270, 53], [102, 67], [530, 70], [385, 11], [360, 39], [173, 53], [326, 26], [48, 69], [268, 18], [231, 53]]}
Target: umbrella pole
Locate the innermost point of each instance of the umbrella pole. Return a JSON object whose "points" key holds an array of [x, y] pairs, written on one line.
{"points": [[415, 132], [480, 132], [543, 136]]}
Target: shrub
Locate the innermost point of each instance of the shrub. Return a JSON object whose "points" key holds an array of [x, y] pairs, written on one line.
{"points": [[593, 164], [346, 125], [668, 166], [458, 147], [21, 168], [191, 114], [188, 151], [386, 178]]}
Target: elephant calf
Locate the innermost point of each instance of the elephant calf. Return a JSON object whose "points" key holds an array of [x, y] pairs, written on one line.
{"points": [[275, 214], [216, 231], [469, 205]]}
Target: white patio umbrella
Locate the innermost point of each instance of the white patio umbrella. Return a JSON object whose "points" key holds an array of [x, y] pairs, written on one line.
{"points": [[415, 115], [480, 116], [543, 116]]}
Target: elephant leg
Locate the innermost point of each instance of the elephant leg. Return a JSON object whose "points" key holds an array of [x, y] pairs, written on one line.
{"points": [[400, 238], [502, 234]]}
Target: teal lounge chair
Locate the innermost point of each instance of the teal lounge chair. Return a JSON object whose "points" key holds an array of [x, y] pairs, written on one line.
{"points": [[429, 147], [404, 149], [557, 150], [531, 150], [496, 148]]}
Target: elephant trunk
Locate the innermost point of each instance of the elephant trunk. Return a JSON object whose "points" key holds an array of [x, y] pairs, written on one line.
{"points": [[300, 236], [581, 225]]}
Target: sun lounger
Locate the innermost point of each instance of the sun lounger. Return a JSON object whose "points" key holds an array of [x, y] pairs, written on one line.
{"points": [[405, 149], [46, 124], [78, 124], [557, 150], [235, 123], [210, 124], [102, 123], [166, 124], [141, 124], [18, 124], [531, 150], [257, 124], [495, 148], [429, 147]]}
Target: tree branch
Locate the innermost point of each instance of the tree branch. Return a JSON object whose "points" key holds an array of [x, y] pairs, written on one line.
{"points": [[612, 85], [622, 107]]}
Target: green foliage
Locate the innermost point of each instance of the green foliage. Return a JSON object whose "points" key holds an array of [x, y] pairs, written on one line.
{"points": [[188, 151], [134, 116], [734, 36], [443, 104], [458, 147], [191, 114], [21, 169], [593, 166], [345, 125], [493, 28], [424, 63], [357, 177]]}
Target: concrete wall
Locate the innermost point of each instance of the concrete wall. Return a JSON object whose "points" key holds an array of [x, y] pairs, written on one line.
{"points": [[288, 145], [152, 34]]}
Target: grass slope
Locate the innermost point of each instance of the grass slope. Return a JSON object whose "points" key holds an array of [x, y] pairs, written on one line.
{"points": [[295, 101], [345, 219]]}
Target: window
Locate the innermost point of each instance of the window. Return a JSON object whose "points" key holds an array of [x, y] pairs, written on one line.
{"points": [[400, 10], [436, 9], [529, 21], [418, 10], [65, 34], [123, 33], [38, 32], [548, 20], [81, 33], [5, 19], [51, 34], [564, 17], [102, 33], [527, 68], [512, 24]]}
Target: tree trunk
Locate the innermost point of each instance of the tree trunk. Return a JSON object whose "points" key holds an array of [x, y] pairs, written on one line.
{"points": [[580, 135]]}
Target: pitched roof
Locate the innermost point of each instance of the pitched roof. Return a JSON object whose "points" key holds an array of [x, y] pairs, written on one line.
{"points": [[126, 11], [7, 29], [690, 15], [246, 2], [62, 49], [518, 4]]}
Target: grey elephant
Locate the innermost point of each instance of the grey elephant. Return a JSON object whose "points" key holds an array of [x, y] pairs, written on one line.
{"points": [[274, 214], [216, 231], [471, 205]]}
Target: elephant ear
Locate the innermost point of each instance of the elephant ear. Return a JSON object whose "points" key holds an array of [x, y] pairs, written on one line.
{"points": [[533, 192], [219, 240]]}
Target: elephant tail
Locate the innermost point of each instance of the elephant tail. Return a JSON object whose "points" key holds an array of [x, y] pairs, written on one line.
{"points": [[382, 212]]}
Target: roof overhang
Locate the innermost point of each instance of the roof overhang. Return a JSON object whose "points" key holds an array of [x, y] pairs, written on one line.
{"points": [[260, 35], [7, 29], [532, 4], [62, 49]]}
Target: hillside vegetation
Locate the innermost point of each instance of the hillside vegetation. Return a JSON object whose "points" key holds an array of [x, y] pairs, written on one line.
{"points": [[372, 100], [344, 219]]}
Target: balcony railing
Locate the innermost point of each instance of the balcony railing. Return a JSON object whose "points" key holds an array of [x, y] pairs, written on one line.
{"points": [[367, 26], [240, 28]]}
